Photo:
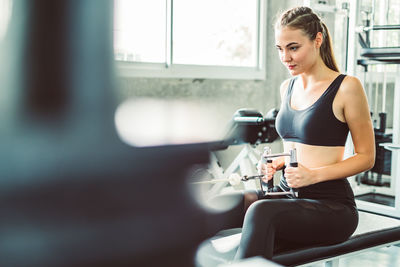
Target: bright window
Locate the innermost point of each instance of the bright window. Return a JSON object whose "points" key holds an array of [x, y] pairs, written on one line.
{"points": [[225, 36], [190, 38], [139, 30], [5, 13]]}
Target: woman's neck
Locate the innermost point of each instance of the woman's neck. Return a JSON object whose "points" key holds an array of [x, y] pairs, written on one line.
{"points": [[317, 73]]}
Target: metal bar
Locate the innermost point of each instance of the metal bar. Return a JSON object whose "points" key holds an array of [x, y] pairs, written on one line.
{"points": [[382, 27], [346, 7], [383, 109], [284, 193], [168, 36], [257, 120], [396, 140], [352, 43], [278, 155], [243, 179], [390, 146], [258, 34], [376, 89]]}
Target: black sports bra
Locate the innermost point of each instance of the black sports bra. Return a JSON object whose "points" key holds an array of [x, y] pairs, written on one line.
{"points": [[315, 125]]}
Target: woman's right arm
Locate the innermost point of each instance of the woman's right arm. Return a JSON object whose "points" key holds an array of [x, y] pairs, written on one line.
{"points": [[278, 163], [270, 169]]}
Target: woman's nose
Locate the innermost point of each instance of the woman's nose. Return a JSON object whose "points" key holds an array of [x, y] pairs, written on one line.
{"points": [[285, 57]]}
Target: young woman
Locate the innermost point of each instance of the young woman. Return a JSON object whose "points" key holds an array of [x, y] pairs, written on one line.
{"points": [[319, 108]]}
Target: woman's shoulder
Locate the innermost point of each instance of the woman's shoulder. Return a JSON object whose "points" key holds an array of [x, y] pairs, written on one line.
{"points": [[351, 83], [351, 92]]}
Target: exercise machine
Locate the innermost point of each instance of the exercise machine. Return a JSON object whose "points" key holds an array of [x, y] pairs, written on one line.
{"points": [[378, 190], [248, 127]]}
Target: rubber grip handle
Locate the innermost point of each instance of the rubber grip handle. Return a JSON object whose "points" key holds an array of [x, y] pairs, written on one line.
{"points": [[270, 183], [294, 164]]}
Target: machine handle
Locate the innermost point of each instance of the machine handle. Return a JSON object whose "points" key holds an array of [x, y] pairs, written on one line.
{"points": [[295, 164], [266, 160], [270, 183]]}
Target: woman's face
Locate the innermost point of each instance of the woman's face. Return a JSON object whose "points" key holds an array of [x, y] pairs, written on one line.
{"points": [[296, 51]]}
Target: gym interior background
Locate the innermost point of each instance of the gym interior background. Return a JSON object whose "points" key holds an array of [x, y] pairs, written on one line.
{"points": [[219, 95]]}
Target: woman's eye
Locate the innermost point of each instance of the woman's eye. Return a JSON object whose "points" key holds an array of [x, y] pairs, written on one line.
{"points": [[294, 48]]}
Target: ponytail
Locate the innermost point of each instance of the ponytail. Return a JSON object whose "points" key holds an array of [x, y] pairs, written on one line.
{"points": [[326, 49]]}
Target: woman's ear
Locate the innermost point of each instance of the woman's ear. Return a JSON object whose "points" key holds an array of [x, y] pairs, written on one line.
{"points": [[318, 39]]}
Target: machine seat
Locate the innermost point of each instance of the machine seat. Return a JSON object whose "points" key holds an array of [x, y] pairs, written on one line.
{"points": [[373, 231]]}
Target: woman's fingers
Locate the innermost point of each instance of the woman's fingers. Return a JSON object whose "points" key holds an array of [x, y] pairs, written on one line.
{"points": [[298, 176], [268, 169]]}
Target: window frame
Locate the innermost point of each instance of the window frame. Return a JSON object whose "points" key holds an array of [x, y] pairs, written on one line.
{"points": [[172, 70]]}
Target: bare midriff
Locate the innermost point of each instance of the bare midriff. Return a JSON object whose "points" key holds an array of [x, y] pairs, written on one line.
{"points": [[315, 156]]}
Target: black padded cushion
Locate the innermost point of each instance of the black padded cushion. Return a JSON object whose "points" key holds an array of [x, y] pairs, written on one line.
{"points": [[377, 52], [364, 241], [373, 230], [380, 54]]}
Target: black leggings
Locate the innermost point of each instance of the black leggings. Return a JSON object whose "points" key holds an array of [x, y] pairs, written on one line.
{"points": [[274, 225]]}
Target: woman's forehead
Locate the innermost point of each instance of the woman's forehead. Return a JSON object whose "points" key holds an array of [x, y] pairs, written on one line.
{"points": [[287, 35]]}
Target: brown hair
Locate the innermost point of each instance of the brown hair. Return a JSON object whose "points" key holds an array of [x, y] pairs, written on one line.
{"points": [[305, 19]]}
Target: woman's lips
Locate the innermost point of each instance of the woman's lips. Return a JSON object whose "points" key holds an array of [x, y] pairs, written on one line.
{"points": [[291, 67]]}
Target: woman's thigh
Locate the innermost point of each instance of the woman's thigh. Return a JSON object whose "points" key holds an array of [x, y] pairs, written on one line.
{"points": [[304, 221]]}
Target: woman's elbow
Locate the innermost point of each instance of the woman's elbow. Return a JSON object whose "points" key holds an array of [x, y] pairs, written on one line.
{"points": [[370, 161], [371, 164]]}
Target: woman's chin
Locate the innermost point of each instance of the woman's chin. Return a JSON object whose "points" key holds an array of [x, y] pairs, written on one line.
{"points": [[293, 72]]}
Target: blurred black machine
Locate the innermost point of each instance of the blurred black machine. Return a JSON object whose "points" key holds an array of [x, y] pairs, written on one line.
{"points": [[71, 193]]}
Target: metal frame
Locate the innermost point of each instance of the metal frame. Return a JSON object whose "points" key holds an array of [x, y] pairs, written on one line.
{"points": [[352, 41], [245, 162], [395, 172]]}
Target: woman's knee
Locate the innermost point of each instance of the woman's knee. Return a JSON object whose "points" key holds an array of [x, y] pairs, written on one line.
{"points": [[266, 209], [257, 211], [249, 198]]}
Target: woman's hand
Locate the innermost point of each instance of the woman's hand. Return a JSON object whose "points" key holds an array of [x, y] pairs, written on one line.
{"points": [[269, 169], [299, 176]]}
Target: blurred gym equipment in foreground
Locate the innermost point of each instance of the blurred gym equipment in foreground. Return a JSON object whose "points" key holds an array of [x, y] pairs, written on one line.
{"points": [[72, 194]]}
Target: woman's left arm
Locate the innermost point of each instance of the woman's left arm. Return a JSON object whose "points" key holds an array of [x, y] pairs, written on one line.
{"points": [[357, 115]]}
